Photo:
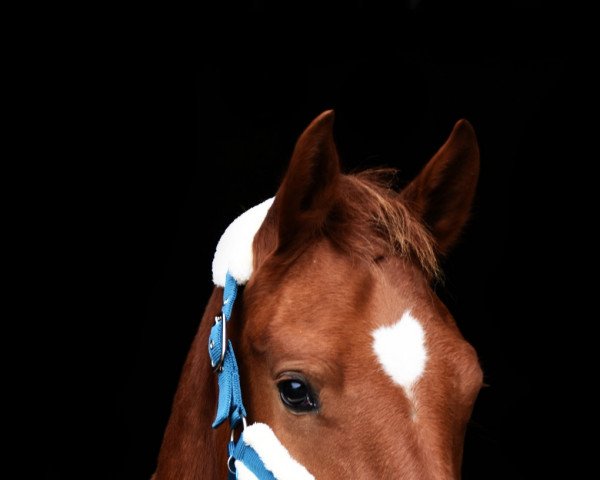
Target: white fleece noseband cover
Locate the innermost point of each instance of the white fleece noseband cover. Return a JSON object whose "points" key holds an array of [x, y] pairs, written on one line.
{"points": [[234, 255], [273, 454]]}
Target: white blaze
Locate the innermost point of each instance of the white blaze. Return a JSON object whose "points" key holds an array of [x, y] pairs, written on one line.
{"points": [[400, 349]]}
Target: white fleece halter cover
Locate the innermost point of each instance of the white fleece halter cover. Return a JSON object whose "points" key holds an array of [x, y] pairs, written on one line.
{"points": [[273, 454], [234, 255], [234, 250]]}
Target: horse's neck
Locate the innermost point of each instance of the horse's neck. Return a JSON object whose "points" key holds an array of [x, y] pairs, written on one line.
{"points": [[191, 449]]}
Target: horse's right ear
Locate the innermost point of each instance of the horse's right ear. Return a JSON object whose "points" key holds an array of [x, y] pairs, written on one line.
{"points": [[310, 185], [442, 194]]}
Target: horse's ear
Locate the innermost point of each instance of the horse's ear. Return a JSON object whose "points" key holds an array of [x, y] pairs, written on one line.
{"points": [[442, 194], [310, 184]]}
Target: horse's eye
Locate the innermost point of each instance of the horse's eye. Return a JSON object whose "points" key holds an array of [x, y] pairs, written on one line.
{"points": [[297, 395]]}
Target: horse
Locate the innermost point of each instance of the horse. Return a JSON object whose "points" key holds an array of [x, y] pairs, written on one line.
{"points": [[348, 361]]}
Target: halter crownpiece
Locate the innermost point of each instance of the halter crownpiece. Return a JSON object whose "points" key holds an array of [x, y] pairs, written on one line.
{"points": [[258, 454]]}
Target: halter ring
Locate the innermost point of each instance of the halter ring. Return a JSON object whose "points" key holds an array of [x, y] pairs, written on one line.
{"points": [[244, 424], [229, 465], [231, 440]]}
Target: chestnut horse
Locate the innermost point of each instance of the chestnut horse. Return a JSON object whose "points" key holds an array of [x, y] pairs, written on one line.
{"points": [[345, 352]]}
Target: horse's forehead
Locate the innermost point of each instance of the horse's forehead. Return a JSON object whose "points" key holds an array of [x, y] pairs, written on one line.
{"points": [[385, 318], [325, 291]]}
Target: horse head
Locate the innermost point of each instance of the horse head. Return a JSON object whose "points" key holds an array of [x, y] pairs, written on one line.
{"points": [[346, 354]]}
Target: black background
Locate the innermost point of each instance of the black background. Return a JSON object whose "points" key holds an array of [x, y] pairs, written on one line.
{"points": [[162, 131]]}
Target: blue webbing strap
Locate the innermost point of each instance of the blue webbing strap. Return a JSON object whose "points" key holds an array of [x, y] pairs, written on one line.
{"points": [[230, 405], [248, 456], [230, 392]]}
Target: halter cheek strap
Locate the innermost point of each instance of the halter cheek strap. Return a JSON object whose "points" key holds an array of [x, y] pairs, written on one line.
{"points": [[222, 359], [230, 404], [258, 454]]}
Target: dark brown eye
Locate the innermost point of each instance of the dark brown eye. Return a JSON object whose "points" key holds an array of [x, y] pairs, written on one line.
{"points": [[297, 395]]}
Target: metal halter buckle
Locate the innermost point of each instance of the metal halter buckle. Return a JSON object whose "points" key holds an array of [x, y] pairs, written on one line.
{"points": [[219, 365]]}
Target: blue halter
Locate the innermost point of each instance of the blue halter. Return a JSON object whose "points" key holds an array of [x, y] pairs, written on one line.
{"points": [[230, 404]]}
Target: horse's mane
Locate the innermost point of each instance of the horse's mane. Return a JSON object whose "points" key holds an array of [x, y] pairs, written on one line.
{"points": [[369, 220]]}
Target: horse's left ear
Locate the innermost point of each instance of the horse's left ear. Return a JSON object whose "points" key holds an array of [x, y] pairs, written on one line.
{"points": [[309, 187], [442, 194]]}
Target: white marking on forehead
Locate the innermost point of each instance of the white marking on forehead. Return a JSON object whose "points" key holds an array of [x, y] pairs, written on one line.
{"points": [[400, 348], [234, 250]]}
